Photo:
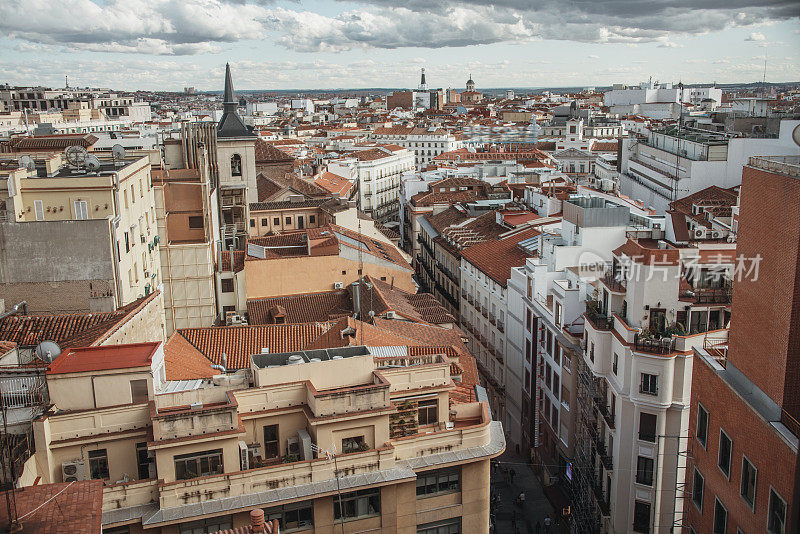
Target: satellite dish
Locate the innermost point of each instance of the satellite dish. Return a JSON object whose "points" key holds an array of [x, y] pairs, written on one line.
{"points": [[92, 163], [47, 351], [26, 162], [75, 155], [118, 151]]}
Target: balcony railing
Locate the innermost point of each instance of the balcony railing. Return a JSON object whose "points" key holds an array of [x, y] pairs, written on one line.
{"points": [[653, 345], [599, 320], [613, 283], [722, 295], [605, 457], [604, 410], [602, 502]]}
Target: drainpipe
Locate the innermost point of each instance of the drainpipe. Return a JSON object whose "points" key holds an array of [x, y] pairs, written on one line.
{"points": [[15, 310]]}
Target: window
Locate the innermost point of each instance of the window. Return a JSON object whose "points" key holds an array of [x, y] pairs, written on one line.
{"points": [[448, 526], [749, 480], [776, 517], [591, 353], [143, 461], [647, 427], [614, 366], [127, 243], [724, 458], [353, 444], [720, 518], [702, 425], [547, 375], [357, 504], [138, 391], [227, 285], [236, 165], [556, 385], [641, 516], [644, 471], [549, 342], [527, 379], [198, 464], [292, 516], [556, 351], [698, 487], [288, 220], [566, 362], [649, 384], [428, 411], [252, 223], [565, 396], [271, 445], [312, 219], [81, 210], [439, 481], [205, 526], [528, 350], [276, 221], [98, 464], [196, 221], [528, 320]]}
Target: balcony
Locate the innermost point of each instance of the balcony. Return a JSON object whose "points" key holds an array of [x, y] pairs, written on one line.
{"points": [[492, 319], [484, 312], [604, 410], [613, 283], [602, 502], [653, 345], [710, 296], [449, 274], [605, 456], [598, 319], [501, 327]]}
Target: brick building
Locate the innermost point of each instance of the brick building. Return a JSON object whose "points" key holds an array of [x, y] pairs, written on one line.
{"points": [[743, 469]]}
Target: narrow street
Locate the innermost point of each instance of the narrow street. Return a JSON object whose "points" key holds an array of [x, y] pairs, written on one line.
{"points": [[509, 517]]}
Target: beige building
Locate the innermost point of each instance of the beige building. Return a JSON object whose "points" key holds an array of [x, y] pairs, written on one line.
{"points": [[198, 455], [113, 200]]}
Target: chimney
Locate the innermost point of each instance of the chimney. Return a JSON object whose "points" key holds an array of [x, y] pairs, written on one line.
{"points": [[257, 521]]}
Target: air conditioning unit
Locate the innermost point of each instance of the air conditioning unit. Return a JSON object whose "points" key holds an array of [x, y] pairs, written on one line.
{"points": [[699, 232], [715, 235], [305, 444], [293, 445], [73, 471], [338, 285]]}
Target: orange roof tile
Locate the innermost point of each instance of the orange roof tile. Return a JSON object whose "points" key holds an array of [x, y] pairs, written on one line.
{"points": [[104, 358]]}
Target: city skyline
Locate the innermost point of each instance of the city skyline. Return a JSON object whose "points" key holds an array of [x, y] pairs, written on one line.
{"points": [[169, 45]]}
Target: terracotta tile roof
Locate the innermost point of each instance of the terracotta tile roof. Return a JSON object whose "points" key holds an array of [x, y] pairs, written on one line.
{"points": [[446, 218], [303, 308], [371, 154], [714, 199], [475, 231], [68, 330], [52, 142], [266, 188], [182, 361], [287, 204], [267, 153], [427, 198], [88, 359], [605, 146], [75, 507], [420, 307], [496, 257], [239, 342], [647, 253], [338, 186]]}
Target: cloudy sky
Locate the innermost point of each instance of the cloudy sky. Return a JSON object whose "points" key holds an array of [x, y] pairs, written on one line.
{"points": [[319, 44]]}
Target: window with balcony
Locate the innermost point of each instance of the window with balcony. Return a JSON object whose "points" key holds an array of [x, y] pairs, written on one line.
{"points": [[647, 427], [720, 518], [641, 516], [749, 481], [439, 481], [724, 456], [448, 526], [644, 471], [649, 384], [198, 464], [98, 464], [295, 516], [362, 503], [428, 411], [702, 425], [698, 487], [353, 444], [776, 515]]}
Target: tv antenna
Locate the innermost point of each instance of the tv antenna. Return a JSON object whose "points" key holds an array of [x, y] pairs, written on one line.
{"points": [[118, 152], [75, 155], [27, 163]]}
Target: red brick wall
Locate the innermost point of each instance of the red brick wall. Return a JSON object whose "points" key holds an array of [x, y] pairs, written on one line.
{"points": [[752, 437], [761, 335]]}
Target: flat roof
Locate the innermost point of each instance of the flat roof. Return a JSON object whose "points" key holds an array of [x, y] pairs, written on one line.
{"points": [[306, 356], [104, 358]]}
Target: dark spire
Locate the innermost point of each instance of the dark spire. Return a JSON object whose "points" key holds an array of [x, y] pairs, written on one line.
{"points": [[422, 79], [231, 125]]}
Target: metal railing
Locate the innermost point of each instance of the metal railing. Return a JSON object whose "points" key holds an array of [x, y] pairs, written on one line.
{"points": [[599, 320], [653, 345], [613, 283], [713, 295]]}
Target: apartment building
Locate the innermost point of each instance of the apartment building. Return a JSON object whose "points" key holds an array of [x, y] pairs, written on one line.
{"points": [[742, 473], [670, 163], [112, 105], [425, 143], [108, 205], [377, 173], [199, 454]]}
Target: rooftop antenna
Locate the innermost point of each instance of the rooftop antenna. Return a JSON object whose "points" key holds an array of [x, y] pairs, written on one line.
{"points": [[66, 82], [118, 153], [92, 163], [75, 155], [764, 79]]}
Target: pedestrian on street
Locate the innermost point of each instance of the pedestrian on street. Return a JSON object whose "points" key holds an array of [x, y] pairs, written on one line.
{"points": [[547, 524], [538, 527], [512, 472]]}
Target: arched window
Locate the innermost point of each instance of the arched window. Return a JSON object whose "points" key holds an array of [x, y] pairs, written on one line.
{"points": [[236, 165]]}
